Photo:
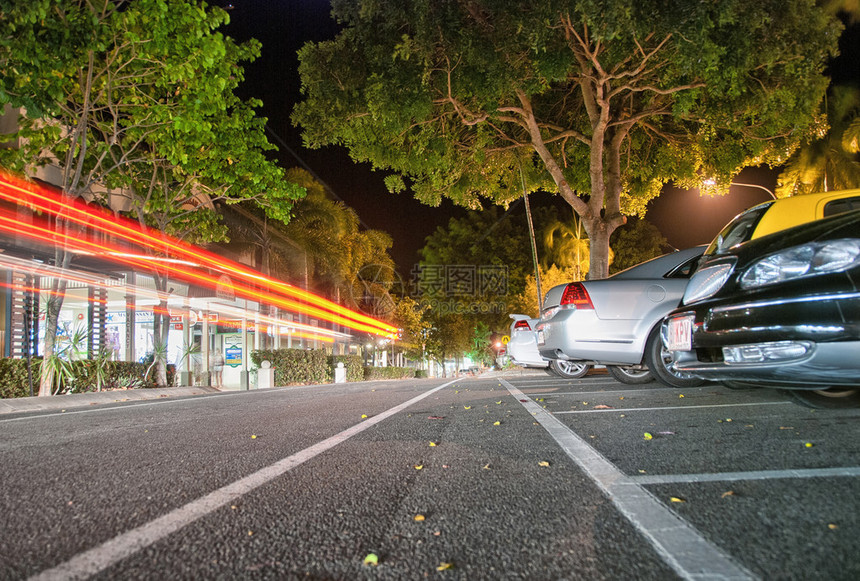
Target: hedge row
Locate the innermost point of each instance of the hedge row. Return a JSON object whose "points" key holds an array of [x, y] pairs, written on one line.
{"points": [[295, 365], [116, 375], [371, 373], [298, 366]]}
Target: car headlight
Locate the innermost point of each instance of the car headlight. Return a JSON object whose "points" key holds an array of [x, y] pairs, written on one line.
{"points": [[799, 261], [706, 281]]}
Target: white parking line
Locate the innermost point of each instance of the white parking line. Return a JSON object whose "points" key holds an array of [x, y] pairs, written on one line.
{"points": [[103, 556], [752, 475], [676, 407], [632, 390], [675, 540]]}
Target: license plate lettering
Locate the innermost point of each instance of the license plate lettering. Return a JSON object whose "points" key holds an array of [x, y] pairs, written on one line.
{"points": [[680, 335]]}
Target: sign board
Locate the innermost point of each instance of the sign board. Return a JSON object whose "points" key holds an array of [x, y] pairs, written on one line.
{"points": [[233, 355]]}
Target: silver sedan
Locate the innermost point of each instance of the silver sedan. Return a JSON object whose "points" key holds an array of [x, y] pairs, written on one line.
{"points": [[616, 321]]}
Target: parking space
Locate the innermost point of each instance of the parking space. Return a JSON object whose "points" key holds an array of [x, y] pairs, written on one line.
{"points": [[770, 484]]}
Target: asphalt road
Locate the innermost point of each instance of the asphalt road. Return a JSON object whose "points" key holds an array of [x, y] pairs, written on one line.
{"points": [[519, 476]]}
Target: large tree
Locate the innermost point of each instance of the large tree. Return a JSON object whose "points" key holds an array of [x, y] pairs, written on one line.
{"points": [[599, 101], [135, 97]]}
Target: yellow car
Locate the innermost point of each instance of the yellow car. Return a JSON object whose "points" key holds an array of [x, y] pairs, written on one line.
{"points": [[777, 215]]}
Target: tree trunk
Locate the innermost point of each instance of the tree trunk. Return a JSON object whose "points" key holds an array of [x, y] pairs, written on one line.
{"points": [[160, 329]]}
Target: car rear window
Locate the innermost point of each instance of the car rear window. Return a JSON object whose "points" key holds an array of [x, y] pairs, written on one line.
{"points": [[738, 230], [843, 205]]}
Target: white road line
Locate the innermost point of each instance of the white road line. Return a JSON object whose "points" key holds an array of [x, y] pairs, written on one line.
{"points": [[103, 556], [752, 475], [676, 407], [675, 540], [632, 390]]}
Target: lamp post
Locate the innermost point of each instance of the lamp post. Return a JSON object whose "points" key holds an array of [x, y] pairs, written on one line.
{"points": [[710, 182], [769, 193]]}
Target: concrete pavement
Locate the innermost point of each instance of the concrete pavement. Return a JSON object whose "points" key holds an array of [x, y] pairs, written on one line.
{"points": [[77, 400]]}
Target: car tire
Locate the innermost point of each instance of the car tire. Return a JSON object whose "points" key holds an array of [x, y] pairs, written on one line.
{"points": [[569, 369], [831, 399], [660, 363], [630, 375]]}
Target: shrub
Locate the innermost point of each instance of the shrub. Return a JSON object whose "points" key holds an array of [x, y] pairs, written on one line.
{"points": [[84, 376], [13, 378], [421, 374], [294, 366], [371, 373], [353, 364]]}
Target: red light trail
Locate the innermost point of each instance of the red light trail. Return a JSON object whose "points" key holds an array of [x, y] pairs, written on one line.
{"points": [[282, 295]]}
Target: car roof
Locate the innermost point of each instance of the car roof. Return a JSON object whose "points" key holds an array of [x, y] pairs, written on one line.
{"points": [[776, 215], [660, 266], [787, 212]]}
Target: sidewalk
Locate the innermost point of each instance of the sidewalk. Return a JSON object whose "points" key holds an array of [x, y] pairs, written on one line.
{"points": [[77, 400]]}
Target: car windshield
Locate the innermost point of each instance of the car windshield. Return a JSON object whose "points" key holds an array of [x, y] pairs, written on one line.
{"points": [[740, 229]]}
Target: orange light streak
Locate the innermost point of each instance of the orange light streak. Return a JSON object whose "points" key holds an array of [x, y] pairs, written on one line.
{"points": [[45, 234], [130, 231]]}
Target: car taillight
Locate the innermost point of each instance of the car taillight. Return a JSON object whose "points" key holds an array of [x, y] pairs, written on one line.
{"points": [[576, 295], [522, 325]]}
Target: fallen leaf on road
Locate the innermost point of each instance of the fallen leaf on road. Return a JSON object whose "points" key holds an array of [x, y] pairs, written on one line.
{"points": [[486, 466], [832, 526], [432, 444], [500, 423], [253, 436], [371, 559], [435, 417], [498, 402], [522, 400], [681, 395], [786, 427], [418, 466], [727, 493], [543, 463], [445, 566], [603, 407], [676, 499], [808, 444], [648, 436], [467, 407], [363, 416], [418, 517]]}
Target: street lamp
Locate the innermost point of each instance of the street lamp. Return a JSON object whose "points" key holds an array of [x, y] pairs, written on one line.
{"points": [[711, 182]]}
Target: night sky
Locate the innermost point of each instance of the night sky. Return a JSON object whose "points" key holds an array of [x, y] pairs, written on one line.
{"points": [[283, 26]]}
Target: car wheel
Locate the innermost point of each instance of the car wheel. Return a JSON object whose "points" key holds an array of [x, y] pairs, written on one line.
{"points": [[569, 369], [660, 363], [631, 375], [833, 398]]}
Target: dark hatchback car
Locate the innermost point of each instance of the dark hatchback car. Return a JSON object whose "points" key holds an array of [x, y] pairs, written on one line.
{"points": [[782, 311]]}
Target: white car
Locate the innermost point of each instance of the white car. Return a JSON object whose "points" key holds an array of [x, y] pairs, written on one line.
{"points": [[522, 350]]}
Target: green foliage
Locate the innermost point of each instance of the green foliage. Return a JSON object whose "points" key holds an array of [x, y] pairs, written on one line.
{"points": [[599, 102], [829, 160], [295, 366], [353, 364], [13, 377], [83, 376], [376, 373], [635, 242]]}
